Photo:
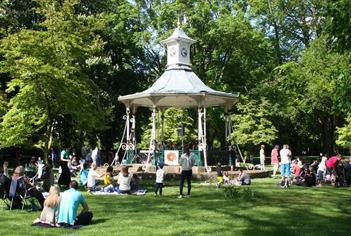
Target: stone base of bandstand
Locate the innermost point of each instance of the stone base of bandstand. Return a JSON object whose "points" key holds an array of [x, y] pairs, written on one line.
{"points": [[199, 172]]}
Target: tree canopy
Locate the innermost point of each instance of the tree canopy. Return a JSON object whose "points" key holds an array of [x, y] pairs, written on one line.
{"points": [[63, 64]]}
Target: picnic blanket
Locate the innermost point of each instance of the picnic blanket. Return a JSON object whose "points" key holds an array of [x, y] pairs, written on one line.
{"points": [[39, 224], [139, 192]]}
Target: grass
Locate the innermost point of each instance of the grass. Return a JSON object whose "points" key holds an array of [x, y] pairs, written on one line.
{"points": [[274, 211]]}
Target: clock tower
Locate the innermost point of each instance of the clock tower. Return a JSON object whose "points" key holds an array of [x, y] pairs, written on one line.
{"points": [[178, 48]]}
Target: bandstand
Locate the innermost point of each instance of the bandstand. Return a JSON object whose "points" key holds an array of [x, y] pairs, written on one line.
{"points": [[177, 87]]}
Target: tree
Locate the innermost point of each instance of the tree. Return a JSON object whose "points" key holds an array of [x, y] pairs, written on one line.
{"points": [[172, 118], [48, 75], [344, 134], [251, 123], [338, 26], [230, 54], [314, 93], [292, 25]]}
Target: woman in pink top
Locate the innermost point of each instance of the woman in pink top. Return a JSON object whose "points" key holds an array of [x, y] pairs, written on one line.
{"points": [[275, 159], [332, 163]]}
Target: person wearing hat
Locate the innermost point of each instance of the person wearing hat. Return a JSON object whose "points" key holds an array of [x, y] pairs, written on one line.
{"points": [[160, 173]]}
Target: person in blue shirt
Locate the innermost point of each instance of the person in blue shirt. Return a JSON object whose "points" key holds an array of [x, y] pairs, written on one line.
{"points": [[69, 203], [83, 175]]}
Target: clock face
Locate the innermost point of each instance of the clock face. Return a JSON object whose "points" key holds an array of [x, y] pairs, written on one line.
{"points": [[184, 52], [172, 52]]}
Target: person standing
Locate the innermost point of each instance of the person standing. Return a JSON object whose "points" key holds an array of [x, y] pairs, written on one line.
{"points": [[69, 203], [65, 176], [94, 155], [275, 159], [262, 157], [186, 162], [53, 157], [285, 155], [160, 173], [5, 169], [219, 175]]}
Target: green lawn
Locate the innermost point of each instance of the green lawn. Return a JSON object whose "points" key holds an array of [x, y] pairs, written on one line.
{"points": [[294, 211]]}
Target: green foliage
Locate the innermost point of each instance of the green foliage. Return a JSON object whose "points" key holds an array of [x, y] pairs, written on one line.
{"points": [[339, 24], [48, 75], [205, 213], [240, 193], [172, 117], [315, 89], [251, 122], [64, 63], [344, 134]]}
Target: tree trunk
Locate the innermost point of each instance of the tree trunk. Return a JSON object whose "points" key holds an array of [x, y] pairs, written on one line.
{"points": [[48, 139]]}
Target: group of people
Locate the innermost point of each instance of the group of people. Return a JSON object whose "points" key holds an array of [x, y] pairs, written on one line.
{"points": [[58, 209], [308, 174], [223, 177]]}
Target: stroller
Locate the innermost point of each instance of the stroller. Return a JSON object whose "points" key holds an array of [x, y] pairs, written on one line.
{"points": [[341, 176], [43, 178]]}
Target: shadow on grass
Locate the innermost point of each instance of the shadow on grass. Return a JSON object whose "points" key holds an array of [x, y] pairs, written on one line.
{"points": [[98, 221], [276, 211]]}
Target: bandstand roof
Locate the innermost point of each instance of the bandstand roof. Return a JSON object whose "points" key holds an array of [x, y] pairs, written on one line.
{"points": [[179, 86]]}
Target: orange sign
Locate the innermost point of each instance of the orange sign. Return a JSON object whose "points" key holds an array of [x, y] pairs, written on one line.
{"points": [[171, 157]]}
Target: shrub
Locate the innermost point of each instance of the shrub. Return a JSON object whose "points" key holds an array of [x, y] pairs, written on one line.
{"points": [[241, 192]]}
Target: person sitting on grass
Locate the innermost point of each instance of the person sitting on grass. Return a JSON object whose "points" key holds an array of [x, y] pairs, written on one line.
{"points": [[226, 179], [243, 178], [92, 175], [124, 179], [109, 183], [309, 178], [51, 206], [69, 203], [83, 175], [296, 168]]}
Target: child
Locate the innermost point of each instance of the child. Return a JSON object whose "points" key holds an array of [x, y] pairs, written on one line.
{"points": [[92, 175], [321, 171], [226, 179], [159, 179], [108, 180], [219, 175], [51, 205], [83, 175]]}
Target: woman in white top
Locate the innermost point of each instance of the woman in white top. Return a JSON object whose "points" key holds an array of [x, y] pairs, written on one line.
{"points": [[91, 180], [262, 157], [124, 179]]}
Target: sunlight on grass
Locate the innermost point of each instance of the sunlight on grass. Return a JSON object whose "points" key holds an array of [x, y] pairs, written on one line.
{"points": [[294, 211]]}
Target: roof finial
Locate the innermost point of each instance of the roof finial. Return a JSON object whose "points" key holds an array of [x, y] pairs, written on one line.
{"points": [[178, 23]]}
